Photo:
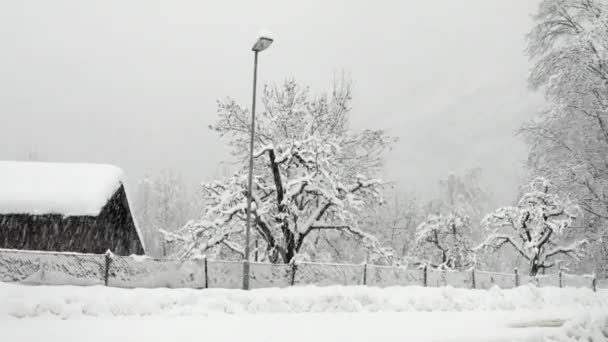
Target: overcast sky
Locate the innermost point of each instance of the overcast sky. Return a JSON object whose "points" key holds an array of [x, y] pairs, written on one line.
{"points": [[135, 83]]}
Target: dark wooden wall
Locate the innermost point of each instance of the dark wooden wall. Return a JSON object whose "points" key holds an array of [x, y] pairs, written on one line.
{"points": [[113, 229]]}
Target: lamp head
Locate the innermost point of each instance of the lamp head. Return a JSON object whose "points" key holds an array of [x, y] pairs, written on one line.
{"points": [[262, 44]]}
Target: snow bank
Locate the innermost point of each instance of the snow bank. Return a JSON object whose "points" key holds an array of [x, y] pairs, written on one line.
{"points": [[472, 326], [56, 188], [70, 301], [589, 327]]}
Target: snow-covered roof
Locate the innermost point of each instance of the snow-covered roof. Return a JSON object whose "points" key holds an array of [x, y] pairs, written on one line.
{"points": [[56, 188]]}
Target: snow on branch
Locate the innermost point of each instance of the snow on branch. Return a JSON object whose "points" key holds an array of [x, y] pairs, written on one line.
{"points": [[497, 241], [443, 240], [573, 250]]}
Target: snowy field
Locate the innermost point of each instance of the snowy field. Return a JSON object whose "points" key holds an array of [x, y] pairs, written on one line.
{"points": [[97, 313], [313, 327]]}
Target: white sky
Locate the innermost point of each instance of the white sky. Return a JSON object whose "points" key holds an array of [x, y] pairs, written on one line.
{"points": [[135, 83]]}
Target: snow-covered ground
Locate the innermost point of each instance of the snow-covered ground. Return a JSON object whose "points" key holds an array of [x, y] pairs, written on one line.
{"points": [[99, 301], [67, 313], [380, 327]]}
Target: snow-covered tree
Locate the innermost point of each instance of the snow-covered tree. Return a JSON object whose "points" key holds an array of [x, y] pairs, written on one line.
{"points": [[311, 174], [445, 236], [536, 227], [569, 141], [442, 241]]}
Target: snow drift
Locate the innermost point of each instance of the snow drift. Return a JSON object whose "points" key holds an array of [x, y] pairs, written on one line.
{"points": [[70, 301]]}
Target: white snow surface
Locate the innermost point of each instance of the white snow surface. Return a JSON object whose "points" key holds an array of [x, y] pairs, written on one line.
{"points": [[69, 189], [18, 301], [96, 314], [320, 327]]}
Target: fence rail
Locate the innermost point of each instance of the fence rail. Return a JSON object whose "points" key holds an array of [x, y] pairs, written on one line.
{"points": [[54, 268]]}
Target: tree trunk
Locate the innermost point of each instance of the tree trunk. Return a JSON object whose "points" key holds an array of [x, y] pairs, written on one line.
{"points": [[290, 248], [289, 255], [534, 267]]}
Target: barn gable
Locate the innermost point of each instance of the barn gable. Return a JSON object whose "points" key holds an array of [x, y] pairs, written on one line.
{"points": [[66, 207]]}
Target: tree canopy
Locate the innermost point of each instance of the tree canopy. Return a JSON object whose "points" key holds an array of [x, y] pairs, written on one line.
{"points": [[311, 173]]}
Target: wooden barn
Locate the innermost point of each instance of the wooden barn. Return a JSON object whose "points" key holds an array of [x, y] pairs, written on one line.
{"points": [[66, 207]]}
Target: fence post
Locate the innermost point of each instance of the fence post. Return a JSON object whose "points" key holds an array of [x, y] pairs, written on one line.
{"points": [[108, 262], [594, 283], [365, 274], [42, 271], [206, 277], [559, 274], [294, 267], [473, 277], [246, 275], [516, 277], [424, 275]]}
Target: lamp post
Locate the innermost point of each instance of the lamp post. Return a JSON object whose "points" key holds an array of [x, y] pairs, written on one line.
{"points": [[261, 44]]}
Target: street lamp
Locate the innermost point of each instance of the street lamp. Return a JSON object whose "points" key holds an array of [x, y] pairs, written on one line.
{"points": [[261, 44]]}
